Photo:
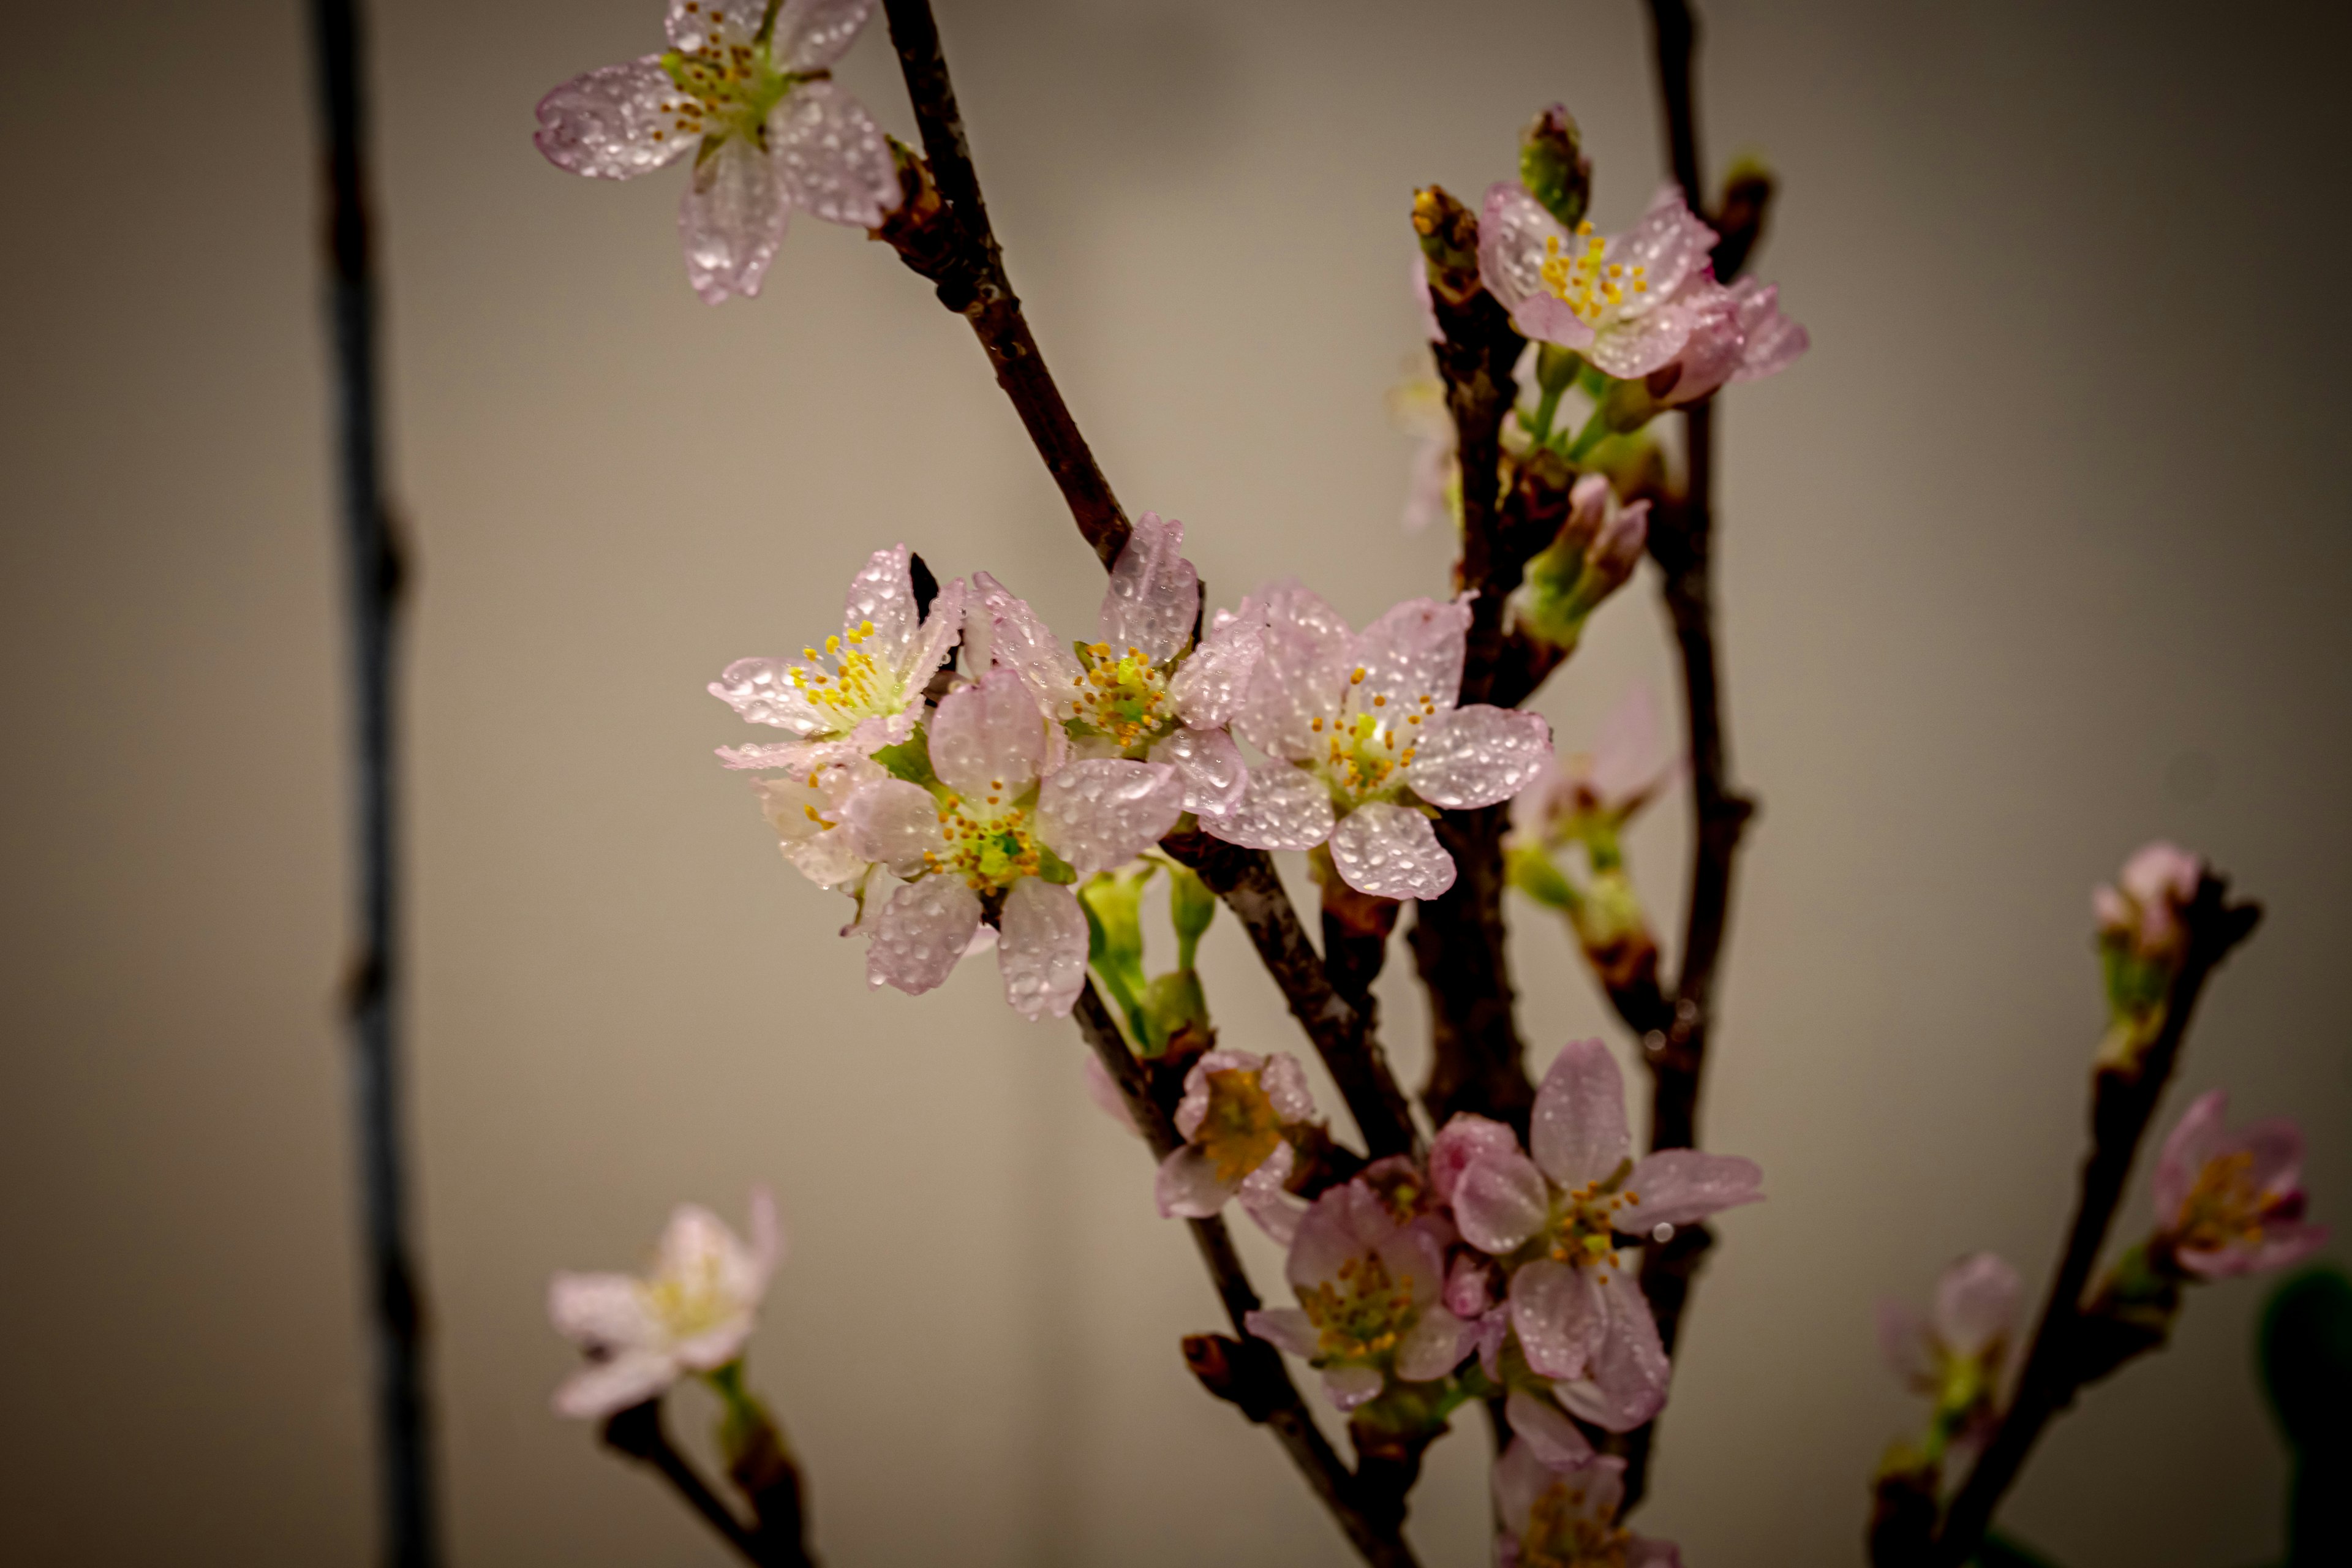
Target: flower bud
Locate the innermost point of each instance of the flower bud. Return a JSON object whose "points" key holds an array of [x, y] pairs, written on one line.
{"points": [[1449, 242], [1553, 167], [2141, 943]]}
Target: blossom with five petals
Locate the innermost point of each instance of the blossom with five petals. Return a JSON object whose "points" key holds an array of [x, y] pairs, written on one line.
{"points": [[1628, 304], [1565, 1516], [692, 1314], [1363, 737], [749, 89], [1576, 1308], [1235, 1110], [1370, 1297], [1000, 839], [2231, 1202], [863, 689], [1143, 690]]}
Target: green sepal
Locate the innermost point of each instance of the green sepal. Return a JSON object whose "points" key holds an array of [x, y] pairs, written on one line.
{"points": [[1052, 868], [1173, 1003], [1191, 906], [1532, 872], [910, 760], [1113, 904]]}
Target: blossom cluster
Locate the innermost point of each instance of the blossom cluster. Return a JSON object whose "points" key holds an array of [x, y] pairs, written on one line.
{"points": [[1487, 1268], [956, 768]]}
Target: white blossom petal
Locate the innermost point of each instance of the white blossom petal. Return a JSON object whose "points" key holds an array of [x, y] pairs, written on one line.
{"points": [[605, 1311], [732, 220], [1477, 756], [832, 161], [762, 691], [988, 738], [1433, 1346], [1154, 595], [1349, 1386], [1286, 1328], [1558, 1312], [1634, 346], [608, 1388], [1104, 812], [1390, 852], [1626, 1383], [1211, 685], [1284, 1083], [1188, 1186], [898, 824], [883, 594], [1669, 242], [695, 24], [1500, 1201], [1771, 342], [1285, 807], [1679, 1186], [614, 123], [1513, 233], [1211, 765], [811, 34], [1547, 1430], [939, 630], [1299, 674], [1042, 949], [920, 933], [1578, 1132], [1413, 652]]}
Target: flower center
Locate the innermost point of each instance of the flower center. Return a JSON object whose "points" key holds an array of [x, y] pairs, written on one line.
{"points": [[1125, 699], [1362, 754], [1362, 1314], [1584, 279], [2224, 1208], [1561, 1534], [991, 843], [1584, 1222], [690, 1303], [857, 686], [1240, 1131], [727, 85]]}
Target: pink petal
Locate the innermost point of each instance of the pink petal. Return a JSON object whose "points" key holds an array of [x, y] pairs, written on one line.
{"points": [[1632, 346], [1285, 1327], [602, 124], [1389, 851], [811, 34], [2162, 873], [1478, 755], [798, 755], [1500, 1201], [1104, 812], [606, 1388], [714, 21], [987, 739], [1274, 1211], [1194, 1105], [1546, 318], [1211, 685], [1042, 949], [1513, 232], [1342, 1225], [1411, 653], [1469, 1286], [1627, 1384], [898, 824], [1578, 1133], [2287, 1241], [732, 220], [1519, 1478], [1154, 595], [762, 691], [1771, 342], [1215, 778], [920, 933], [1460, 1140], [1188, 1186], [1020, 641], [1284, 1083], [1285, 807], [604, 1311], [1625, 758], [1424, 303], [2187, 1147], [1558, 1315], [2276, 1147], [1548, 1432], [1674, 245], [1433, 1346], [1903, 1340], [1105, 1096], [1975, 1303], [1677, 1187], [1349, 1386], [1713, 351], [939, 630], [1299, 674], [883, 594], [832, 161]]}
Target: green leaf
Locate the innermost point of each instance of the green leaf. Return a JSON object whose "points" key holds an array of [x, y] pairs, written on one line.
{"points": [[910, 760]]}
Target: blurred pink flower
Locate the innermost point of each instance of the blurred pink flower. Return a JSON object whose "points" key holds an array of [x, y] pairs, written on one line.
{"points": [[1232, 1116], [1578, 1311], [1737, 335], [2143, 910], [1369, 1298], [1363, 736], [1606, 787], [692, 1314], [770, 131], [1565, 1516], [2231, 1202]]}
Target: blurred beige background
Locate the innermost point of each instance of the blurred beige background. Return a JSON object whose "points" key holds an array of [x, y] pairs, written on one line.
{"points": [[2040, 553]]}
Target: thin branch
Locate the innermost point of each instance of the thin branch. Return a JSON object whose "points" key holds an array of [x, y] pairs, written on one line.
{"points": [[976, 286], [373, 568], [2123, 1104], [637, 1431], [1244, 1370]]}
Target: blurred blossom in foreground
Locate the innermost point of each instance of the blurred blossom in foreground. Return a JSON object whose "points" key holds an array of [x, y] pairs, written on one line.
{"points": [[1567, 1517], [1954, 1355], [752, 95], [2231, 1202], [692, 1314]]}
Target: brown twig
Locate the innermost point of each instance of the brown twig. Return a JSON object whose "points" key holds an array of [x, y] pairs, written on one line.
{"points": [[1243, 1370], [637, 1431], [2123, 1104], [976, 286]]}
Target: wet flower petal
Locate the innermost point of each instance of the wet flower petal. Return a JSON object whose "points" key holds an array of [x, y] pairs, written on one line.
{"points": [[614, 123], [1210, 686], [1103, 812], [831, 160], [1188, 1185], [1437, 1342], [1478, 755], [1578, 1132], [1285, 1327], [920, 933], [1547, 1430], [1282, 808], [896, 823], [1678, 1186], [1042, 949], [989, 737], [810, 34], [1389, 851], [1413, 652], [1558, 1312], [1627, 1383], [1154, 595], [732, 219], [1459, 1140], [1214, 776], [1500, 1201]]}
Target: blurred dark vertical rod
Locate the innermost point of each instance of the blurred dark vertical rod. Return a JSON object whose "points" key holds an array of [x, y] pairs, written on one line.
{"points": [[374, 586]]}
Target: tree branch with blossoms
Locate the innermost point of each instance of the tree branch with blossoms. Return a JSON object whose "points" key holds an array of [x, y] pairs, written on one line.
{"points": [[969, 781]]}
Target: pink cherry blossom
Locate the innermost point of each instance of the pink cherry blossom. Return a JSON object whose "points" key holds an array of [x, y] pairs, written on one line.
{"points": [[692, 1314], [1606, 787], [1369, 1291], [1737, 335], [1001, 842], [2143, 911], [1146, 691], [863, 689], [770, 131], [2231, 1202], [1576, 1307], [1628, 304], [1955, 1354], [1566, 1516], [1235, 1108], [812, 812], [1363, 738]]}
